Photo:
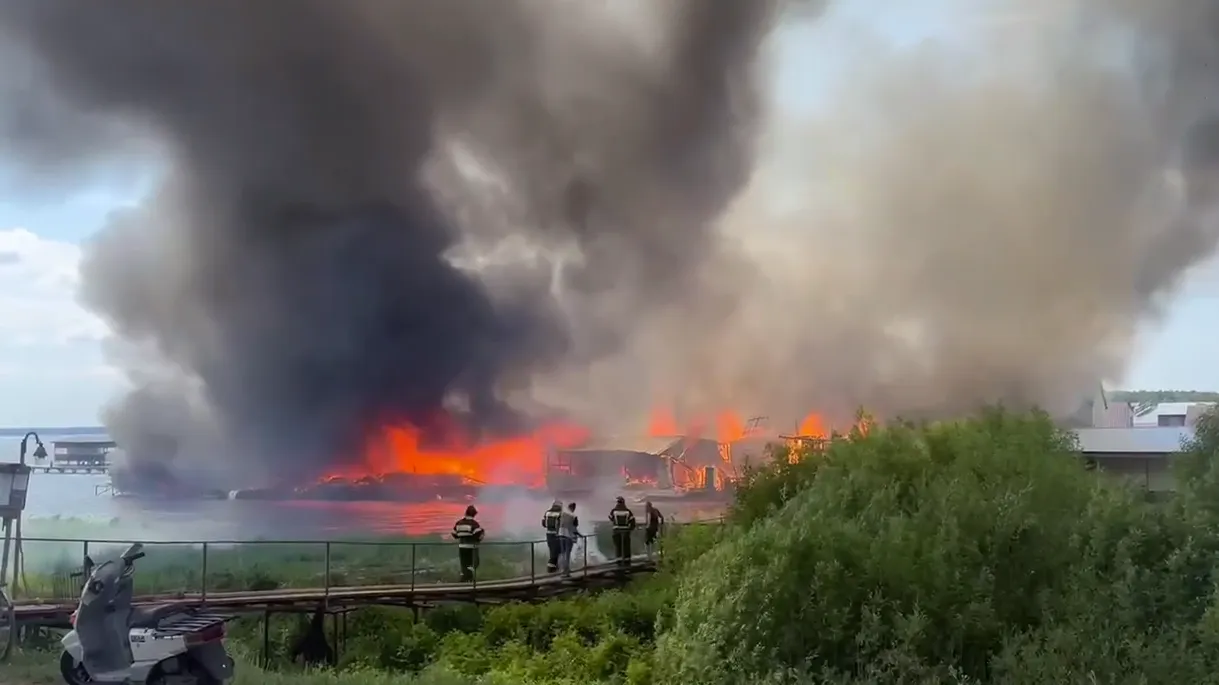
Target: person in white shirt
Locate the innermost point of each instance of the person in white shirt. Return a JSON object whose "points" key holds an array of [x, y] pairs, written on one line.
{"points": [[569, 532]]}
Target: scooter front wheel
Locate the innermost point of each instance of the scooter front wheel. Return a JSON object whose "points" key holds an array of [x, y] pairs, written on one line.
{"points": [[193, 674], [73, 671]]}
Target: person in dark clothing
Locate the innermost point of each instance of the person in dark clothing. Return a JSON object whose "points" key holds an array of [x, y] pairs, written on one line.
{"points": [[468, 533], [550, 523], [623, 520], [653, 521], [311, 647]]}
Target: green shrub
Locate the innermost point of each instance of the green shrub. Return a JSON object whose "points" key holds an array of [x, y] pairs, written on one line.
{"points": [[937, 552]]}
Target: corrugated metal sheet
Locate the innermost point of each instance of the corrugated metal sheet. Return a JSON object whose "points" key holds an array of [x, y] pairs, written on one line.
{"points": [[1151, 440]]}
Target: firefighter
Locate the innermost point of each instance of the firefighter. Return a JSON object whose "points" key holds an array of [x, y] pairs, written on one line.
{"points": [[550, 523], [653, 521], [623, 520], [468, 533], [569, 532]]}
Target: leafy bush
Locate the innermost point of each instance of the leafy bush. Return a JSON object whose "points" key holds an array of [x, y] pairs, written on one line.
{"points": [[946, 552]]}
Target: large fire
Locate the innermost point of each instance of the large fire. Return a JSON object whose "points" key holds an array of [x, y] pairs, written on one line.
{"points": [[443, 452], [728, 429], [451, 452]]}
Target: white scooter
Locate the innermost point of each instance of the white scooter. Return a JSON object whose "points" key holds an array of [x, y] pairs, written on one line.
{"points": [[114, 642]]}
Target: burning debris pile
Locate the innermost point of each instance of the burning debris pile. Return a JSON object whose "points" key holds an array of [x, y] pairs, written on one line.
{"points": [[370, 214]]}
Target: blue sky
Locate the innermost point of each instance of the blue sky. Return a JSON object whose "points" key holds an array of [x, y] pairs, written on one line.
{"points": [[52, 372]]}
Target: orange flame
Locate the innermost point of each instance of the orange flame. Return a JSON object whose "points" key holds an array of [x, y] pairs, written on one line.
{"points": [[813, 426], [444, 450], [729, 427], [520, 460], [663, 423]]}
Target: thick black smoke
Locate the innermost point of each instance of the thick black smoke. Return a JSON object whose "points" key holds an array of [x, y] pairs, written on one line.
{"points": [[292, 283]]}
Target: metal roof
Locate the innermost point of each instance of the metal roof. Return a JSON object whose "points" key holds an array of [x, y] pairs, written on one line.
{"points": [[644, 444], [84, 442], [1150, 440], [1152, 415]]}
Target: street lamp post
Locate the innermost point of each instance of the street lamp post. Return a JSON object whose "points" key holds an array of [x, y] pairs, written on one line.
{"points": [[14, 486]]}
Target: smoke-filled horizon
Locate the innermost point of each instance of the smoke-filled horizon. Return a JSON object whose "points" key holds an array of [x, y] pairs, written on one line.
{"points": [[374, 211]]}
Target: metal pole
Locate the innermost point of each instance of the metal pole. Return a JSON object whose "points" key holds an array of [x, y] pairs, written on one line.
{"points": [[266, 639], [533, 563], [334, 637], [84, 558], [17, 566], [8, 541], [327, 580], [203, 578], [412, 568], [585, 557]]}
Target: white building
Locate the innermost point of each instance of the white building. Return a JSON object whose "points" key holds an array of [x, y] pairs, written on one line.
{"points": [[1175, 414]]}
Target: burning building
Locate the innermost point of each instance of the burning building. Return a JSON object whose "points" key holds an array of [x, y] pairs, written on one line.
{"points": [[655, 466]]}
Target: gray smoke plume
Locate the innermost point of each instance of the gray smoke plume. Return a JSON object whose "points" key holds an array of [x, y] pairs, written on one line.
{"points": [[373, 209], [986, 218], [292, 284]]}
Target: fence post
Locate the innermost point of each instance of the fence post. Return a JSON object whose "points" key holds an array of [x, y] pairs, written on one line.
{"points": [[84, 557], [203, 578], [586, 554], [327, 580], [413, 568], [533, 563]]}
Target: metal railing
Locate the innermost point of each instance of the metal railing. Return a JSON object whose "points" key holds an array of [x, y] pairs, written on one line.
{"points": [[55, 568]]}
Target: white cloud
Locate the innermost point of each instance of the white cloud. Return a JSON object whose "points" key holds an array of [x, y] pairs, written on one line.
{"points": [[38, 283]]}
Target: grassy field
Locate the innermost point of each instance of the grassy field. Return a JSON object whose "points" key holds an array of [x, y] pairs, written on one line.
{"points": [[52, 567]]}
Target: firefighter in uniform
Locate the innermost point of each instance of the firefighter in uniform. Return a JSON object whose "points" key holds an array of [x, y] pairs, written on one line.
{"points": [[623, 520], [468, 533], [653, 521], [550, 523]]}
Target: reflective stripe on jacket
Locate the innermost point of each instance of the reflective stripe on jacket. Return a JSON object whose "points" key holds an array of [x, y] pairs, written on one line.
{"points": [[468, 533], [550, 521], [623, 519]]}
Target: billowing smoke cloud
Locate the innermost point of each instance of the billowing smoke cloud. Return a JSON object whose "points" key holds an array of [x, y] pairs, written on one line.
{"points": [[292, 283], [370, 210], [990, 217]]}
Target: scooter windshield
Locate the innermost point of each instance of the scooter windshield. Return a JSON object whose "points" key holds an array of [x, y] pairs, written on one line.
{"points": [[102, 623]]}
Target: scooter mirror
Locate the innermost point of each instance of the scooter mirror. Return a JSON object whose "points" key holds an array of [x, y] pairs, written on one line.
{"points": [[133, 552]]}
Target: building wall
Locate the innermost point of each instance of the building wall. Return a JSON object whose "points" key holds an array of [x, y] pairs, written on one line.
{"points": [[1148, 471], [1115, 415]]}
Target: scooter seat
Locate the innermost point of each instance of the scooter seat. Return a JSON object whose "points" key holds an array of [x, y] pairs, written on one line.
{"points": [[151, 617]]}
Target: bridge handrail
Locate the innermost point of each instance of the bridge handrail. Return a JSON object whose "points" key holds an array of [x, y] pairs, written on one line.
{"points": [[319, 541], [66, 584]]}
